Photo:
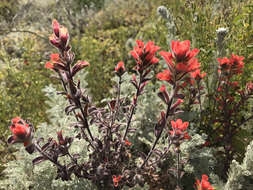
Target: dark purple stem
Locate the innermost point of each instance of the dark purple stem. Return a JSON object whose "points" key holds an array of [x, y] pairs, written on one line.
{"points": [[133, 108], [160, 133]]}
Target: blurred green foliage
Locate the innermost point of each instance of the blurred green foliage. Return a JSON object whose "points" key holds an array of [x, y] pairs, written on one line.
{"points": [[104, 41], [8, 9], [22, 76], [98, 4], [108, 31]]}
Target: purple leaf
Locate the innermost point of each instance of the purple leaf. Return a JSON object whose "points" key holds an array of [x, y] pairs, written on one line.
{"points": [[39, 160]]}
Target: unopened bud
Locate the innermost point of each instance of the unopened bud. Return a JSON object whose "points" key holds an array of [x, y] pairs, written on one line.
{"points": [[56, 27], [79, 66], [55, 42], [64, 36], [120, 68]]}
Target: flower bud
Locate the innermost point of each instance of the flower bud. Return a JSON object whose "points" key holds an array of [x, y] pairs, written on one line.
{"points": [[176, 104], [79, 66], [163, 94], [60, 138], [64, 36], [56, 27], [54, 41], [120, 68]]}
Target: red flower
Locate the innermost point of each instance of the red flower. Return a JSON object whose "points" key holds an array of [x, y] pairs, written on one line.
{"points": [[56, 62], [178, 128], [120, 68], [48, 65], [204, 184], [180, 61], [21, 132], [166, 75], [116, 180], [128, 143], [163, 88], [60, 36], [55, 57], [182, 52], [232, 65], [237, 63], [145, 55], [196, 74]]}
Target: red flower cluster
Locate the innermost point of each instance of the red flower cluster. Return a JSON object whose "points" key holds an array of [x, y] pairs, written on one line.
{"points": [[179, 128], [232, 65], [226, 89], [204, 184], [116, 180], [21, 131], [60, 36], [55, 62], [145, 55], [181, 61], [59, 39]]}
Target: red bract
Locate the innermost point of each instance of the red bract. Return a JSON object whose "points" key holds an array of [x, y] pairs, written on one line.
{"points": [[56, 63], [79, 66], [204, 184], [64, 36], [60, 36], [232, 66], [181, 61], [21, 132], [48, 65], [196, 74], [176, 104], [236, 62], [55, 57], [181, 51], [116, 180], [163, 94], [128, 143], [120, 68], [145, 55], [178, 128], [166, 75], [56, 27]]}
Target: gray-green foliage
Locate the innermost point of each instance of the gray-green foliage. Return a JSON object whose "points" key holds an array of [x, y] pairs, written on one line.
{"points": [[21, 174], [241, 175], [168, 16], [200, 160]]}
